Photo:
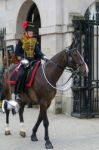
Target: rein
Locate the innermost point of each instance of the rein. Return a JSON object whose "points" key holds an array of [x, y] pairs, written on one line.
{"points": [[54, 87], [60, 88], [66, 50]]}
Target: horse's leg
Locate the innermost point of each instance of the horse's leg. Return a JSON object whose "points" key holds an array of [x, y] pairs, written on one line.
{"points": [[21, 110], [48, 143], [7, 129], [39, 120]]}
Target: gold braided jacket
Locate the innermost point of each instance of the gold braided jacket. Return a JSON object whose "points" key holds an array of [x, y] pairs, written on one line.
{"points": [[28, 45]]}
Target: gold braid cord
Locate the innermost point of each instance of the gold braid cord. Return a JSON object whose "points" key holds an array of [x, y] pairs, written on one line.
{"points": [[28, 45]]}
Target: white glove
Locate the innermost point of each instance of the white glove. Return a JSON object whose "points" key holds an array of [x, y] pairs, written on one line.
{"points": [[25, 62], [45, 58]]}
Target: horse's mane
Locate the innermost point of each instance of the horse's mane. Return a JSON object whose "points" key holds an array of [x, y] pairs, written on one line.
{"points": [[54, 58]]}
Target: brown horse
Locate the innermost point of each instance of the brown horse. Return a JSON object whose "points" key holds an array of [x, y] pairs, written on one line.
{"points": [[42, 92]]}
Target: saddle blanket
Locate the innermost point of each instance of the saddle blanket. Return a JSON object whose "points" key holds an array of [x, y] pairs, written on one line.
{"points": [[30, 77]]}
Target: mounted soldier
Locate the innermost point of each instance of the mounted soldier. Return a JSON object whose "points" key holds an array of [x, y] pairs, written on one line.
{"points": [[27, 49]]}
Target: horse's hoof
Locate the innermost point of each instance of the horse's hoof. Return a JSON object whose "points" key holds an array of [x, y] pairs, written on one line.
{"points": [[48, 145], [7, 132], [23, 133], [34, 138]]}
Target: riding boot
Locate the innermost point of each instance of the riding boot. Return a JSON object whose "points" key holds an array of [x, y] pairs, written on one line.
{"points": [[17, 92], [19, 87]]}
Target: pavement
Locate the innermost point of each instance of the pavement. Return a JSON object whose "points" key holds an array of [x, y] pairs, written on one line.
{"points": [[66, 133]]}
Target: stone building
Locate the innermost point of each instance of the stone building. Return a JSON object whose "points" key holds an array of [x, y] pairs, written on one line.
{"points": [[53, 28]]}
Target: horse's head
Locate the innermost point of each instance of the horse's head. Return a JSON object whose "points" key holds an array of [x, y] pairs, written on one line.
{"points": [[76, 61]]}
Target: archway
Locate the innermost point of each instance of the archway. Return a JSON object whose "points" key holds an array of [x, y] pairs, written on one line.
{"points": [[92, 12]]}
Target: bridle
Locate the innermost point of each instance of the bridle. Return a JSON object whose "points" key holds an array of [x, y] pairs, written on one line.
{"points": [[67, 51]]}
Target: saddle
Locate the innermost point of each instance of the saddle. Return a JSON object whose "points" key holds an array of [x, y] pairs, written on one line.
{"points": [[13, 75]]}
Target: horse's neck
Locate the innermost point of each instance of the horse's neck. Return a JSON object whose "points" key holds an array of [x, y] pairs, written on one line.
{"points": [[56, 67]]}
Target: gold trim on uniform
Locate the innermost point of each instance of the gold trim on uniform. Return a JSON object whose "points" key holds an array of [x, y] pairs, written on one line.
{"points": [[28, 45]]}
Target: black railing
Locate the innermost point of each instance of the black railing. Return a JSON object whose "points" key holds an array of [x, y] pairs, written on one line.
{"points": [[86, 90]]}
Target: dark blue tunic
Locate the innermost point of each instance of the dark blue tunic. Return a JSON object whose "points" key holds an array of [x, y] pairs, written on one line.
{"points": [[20, 52]]}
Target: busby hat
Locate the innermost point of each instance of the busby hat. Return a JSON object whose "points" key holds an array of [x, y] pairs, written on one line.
{"points": [[28, 26]]}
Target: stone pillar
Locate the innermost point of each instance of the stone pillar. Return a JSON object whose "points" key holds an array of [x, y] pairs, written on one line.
{"points": [[64, 100], [53, 40], [51, 43]]}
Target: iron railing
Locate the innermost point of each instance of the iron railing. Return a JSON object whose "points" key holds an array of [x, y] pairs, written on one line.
{"points": [[86, 90]]}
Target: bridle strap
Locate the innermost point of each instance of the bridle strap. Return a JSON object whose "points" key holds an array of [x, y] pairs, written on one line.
{"points": [[58, 65], [70, 51], [67, 51]]}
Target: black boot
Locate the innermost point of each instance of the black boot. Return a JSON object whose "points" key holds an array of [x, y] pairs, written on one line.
{"points": [[17, 98]]}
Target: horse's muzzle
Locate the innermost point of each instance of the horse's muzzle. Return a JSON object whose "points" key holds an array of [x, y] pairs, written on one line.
{"points": [[86, 70]]}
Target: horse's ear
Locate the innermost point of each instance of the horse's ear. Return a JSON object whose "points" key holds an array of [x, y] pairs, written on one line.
{"points": [[75, 40], [74, 43]]}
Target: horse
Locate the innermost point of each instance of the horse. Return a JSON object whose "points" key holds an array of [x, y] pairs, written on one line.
{"points": [[42, 93]]}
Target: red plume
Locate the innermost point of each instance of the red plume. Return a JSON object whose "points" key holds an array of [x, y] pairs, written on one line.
{"points": [[25, 24]]}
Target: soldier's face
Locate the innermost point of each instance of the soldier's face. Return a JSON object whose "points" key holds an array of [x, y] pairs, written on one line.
{"points": [[30, 33]]}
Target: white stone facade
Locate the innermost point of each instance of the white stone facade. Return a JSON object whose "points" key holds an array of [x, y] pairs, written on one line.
{"points": [[55, 30]]}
